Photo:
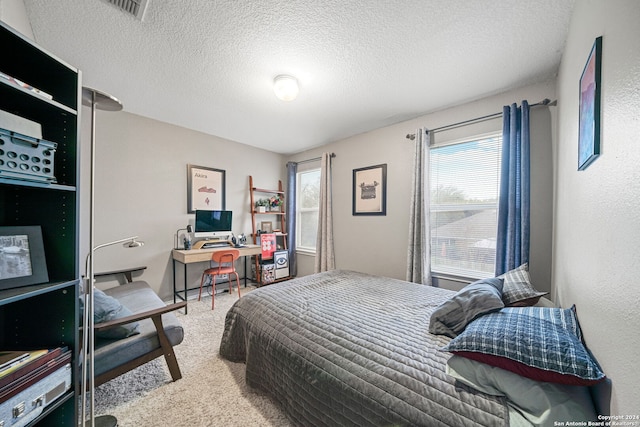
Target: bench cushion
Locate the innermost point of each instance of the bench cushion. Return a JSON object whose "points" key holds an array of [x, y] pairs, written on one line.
{"points": [[138, 297]]}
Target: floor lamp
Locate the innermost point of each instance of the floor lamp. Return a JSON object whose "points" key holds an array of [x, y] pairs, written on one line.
{"points": [[97, 101]]}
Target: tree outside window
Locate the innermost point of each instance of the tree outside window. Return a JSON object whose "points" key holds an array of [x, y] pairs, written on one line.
{"points": [[308, 201]]}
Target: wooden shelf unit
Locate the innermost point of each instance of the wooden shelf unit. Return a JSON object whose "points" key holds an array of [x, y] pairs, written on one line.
{"points": [[281, 236], [44, 315]]}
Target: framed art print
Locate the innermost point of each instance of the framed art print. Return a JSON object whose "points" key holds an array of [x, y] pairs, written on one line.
{"points": [[22, 260], [205, 188], [266, 226], [268, 245], [370, 190], [589, 130]]}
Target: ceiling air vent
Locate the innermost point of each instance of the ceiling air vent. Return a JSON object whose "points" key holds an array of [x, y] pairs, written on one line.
{"points": [[132, 7]]}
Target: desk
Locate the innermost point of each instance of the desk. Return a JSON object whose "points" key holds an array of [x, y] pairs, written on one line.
{"points": [[190, 256]]}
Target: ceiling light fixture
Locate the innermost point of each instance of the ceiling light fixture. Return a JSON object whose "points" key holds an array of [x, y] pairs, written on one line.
{"points": [[285, 87]]}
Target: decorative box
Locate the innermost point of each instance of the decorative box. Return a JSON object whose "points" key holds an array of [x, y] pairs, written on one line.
{"points": [[281, 261], [268, 273]]}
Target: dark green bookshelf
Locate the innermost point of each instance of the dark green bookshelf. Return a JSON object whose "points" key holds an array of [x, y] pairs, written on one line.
{"points": [[44, 315]]}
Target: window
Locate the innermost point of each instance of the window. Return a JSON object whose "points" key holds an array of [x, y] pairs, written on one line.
{"points": [[465, 183], [308, 201]]}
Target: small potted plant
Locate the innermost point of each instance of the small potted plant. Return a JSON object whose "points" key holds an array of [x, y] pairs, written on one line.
{"points": [[275, 202], [261, 205]]}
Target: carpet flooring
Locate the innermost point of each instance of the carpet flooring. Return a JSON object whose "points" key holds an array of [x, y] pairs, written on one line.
{"points": [[212, 391]]}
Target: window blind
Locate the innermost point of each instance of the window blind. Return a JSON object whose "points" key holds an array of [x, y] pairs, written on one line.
{"points": [[465, 184]]}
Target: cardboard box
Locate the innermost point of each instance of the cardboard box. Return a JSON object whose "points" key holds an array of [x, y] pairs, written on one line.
{"points": [[18, 124]]}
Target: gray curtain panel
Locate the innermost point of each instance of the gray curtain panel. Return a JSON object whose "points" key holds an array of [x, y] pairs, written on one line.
{"points": [[325, 257], [419, 250], [290, 208]]}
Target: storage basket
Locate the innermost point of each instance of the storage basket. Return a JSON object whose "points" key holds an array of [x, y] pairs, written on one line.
{"points": [[26, 158]]}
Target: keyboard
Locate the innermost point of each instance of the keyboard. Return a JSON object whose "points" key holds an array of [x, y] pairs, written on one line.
{"points": [[215, 245]]}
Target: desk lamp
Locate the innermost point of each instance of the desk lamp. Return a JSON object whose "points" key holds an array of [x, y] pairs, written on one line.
{"points": [[189, 229]]}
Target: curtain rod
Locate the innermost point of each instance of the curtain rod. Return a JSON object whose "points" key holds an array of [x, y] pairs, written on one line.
{"points": [[545, 101], [315, 159]]}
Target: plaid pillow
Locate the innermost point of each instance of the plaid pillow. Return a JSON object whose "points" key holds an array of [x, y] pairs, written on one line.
{"points": [[541, 343], [517, 290]]}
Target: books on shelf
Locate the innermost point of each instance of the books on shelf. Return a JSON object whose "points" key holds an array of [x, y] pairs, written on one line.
{"points": [[24, 85], [8, 359], [17, 365]]}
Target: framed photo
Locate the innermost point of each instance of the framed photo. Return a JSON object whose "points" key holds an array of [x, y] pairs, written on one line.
{"points": [[266, 227], [589, 133], [205, 188], [22, 260], [370, 190]]}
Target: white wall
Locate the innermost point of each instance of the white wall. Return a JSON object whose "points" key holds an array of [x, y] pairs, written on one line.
{"points": [[14, 13], [140, 184], [141, 189], [378, 244], [597, 232]]}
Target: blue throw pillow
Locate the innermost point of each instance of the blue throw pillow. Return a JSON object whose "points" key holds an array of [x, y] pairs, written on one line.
{"points": [[108, 308], [541, 343], [474, 300]]}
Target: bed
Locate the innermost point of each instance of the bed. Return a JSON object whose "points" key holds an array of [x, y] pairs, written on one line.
{"points": [[348, 348]]}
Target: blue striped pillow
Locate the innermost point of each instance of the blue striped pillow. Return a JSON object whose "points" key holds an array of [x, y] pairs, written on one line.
{"points": [[541, 343]]}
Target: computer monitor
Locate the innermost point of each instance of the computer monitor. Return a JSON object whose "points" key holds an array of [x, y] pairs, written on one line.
{"points": [[213, 223]]}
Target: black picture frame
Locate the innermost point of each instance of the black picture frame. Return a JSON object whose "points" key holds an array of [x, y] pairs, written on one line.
{"points": [[589, 122], [205, 188], [369, 190], [22, 257]]}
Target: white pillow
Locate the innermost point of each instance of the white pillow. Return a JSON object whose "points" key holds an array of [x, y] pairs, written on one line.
{"points": [[541, 403], [544, 302]]}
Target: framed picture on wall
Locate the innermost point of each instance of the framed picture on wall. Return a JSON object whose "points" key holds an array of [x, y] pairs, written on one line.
{"points": [[266, 226], [205, 188], [22, 260], [589, 131], [370, 190]]}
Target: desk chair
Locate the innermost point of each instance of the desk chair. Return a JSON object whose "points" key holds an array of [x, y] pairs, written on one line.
{"points": [[226, 260]]}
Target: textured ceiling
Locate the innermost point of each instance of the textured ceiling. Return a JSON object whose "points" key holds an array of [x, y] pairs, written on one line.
{"points": [[209, 65]]}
